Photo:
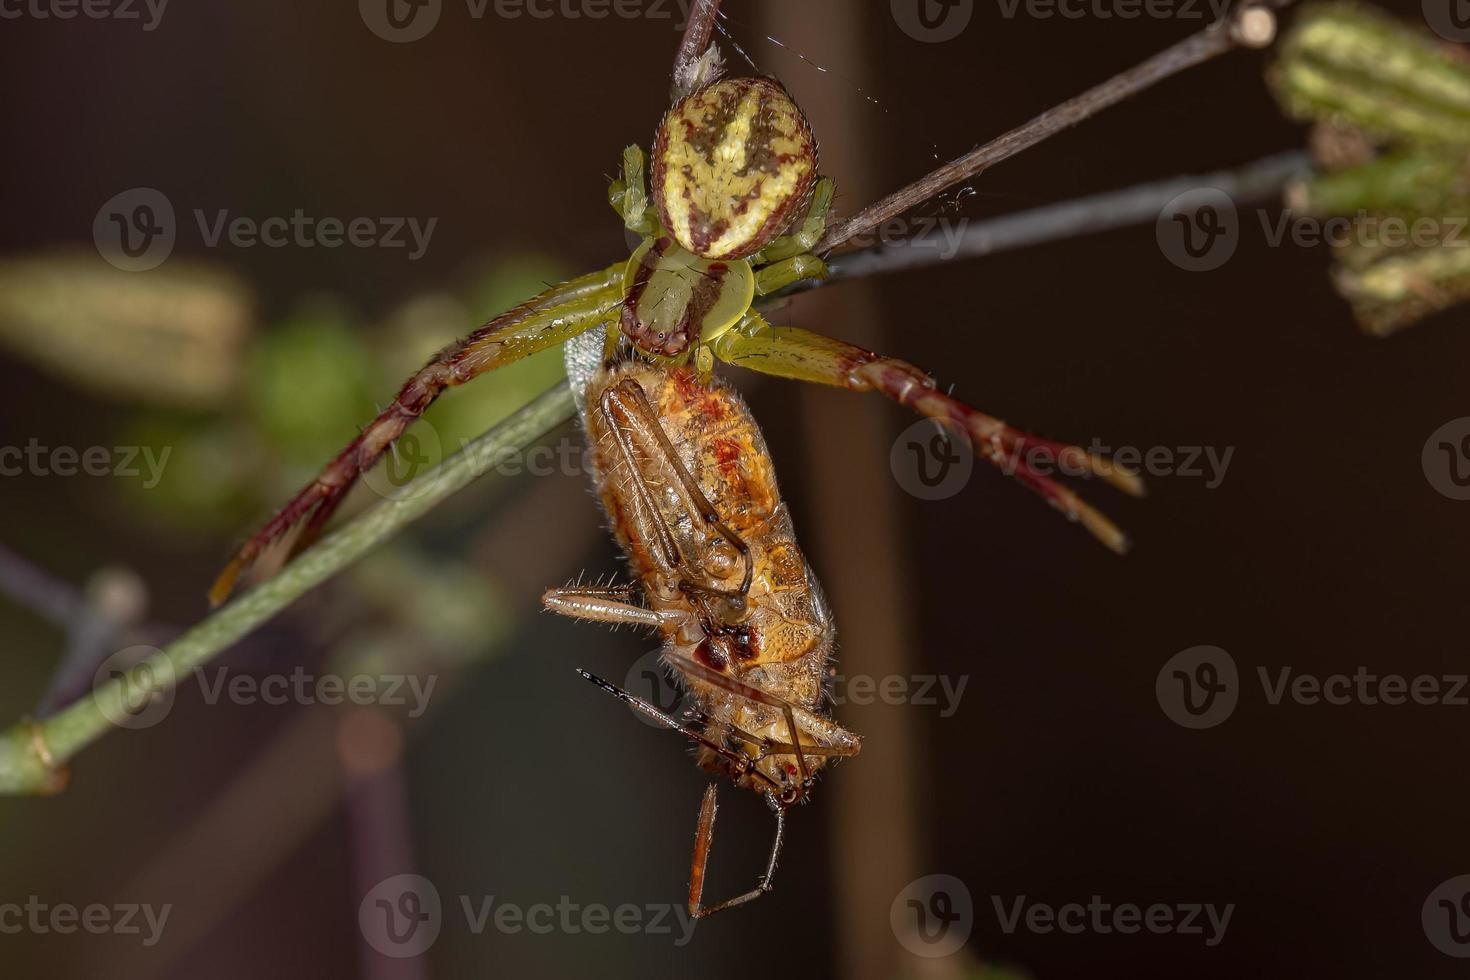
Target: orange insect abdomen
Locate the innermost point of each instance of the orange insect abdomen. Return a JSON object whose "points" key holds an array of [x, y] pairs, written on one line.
{"points": [[717, 440]]}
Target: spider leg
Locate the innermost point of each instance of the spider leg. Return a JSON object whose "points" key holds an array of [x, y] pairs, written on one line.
{"points": [[779, 275], [549, 319], [805, 238], [628, 195], [791, 352], [704, 838]]}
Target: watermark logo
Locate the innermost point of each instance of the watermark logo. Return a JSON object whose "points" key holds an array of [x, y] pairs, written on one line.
{"points": [[63, 919], [148, 12], [1446, 917], [409, 691], [1446, 459], [941, 691], [401, 916], [932, 21], [34, 459], [1199, 687], [1450, 19], [135, 230], [405, 21], [932, 459], [651, 680], [135, 687], [933, 916], [412, 455], [1199, 229], [1212, 10], [1105, 918], [400, 21]]}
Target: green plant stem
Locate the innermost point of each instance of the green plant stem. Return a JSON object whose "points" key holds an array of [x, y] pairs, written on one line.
{"points": [[33, 754]]}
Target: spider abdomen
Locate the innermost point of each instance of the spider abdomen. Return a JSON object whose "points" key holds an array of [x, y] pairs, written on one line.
{"points": [[733, 165]]}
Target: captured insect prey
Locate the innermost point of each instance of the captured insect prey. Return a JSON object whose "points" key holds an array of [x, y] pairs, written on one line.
{"points": [[690, 492], [728, 213]]}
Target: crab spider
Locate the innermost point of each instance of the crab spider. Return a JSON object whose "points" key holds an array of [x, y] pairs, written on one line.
{"points": [[736, 208]]}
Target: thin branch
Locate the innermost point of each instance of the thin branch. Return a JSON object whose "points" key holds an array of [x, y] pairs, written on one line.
{"points": [[33, 754], [697, 34], [1251, 26], [1055, 222]]}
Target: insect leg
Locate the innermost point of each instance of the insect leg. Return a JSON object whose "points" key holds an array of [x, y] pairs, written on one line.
{"points": [[740, 762], [741, 689], [600, 605], [553, 317], [704, 838], [628, 414], [791, 352]]}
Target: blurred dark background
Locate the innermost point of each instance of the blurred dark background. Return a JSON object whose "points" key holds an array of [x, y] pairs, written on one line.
{"points": [[1058, 777]]}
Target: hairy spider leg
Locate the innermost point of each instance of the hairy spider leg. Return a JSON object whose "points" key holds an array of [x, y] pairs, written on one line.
{"points": [[553, 317], [801, 355]]}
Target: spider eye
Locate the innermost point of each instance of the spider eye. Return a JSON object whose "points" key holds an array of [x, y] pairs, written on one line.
{"points": [[733, 165]]}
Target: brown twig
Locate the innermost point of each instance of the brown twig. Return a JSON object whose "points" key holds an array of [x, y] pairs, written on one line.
{"points": [[1250, 26], [697, 34]]}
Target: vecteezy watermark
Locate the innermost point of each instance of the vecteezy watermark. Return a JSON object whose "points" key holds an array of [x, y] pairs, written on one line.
{"points": [[413, 456], [1446, 917], [1450, 19], [933, 460], [405, 21], [897, 690], [1200, 230], [136, 230], [64, 919], [652, 680], [136, 687], [410, 691], [402, 916], [932, 21], [1210, 10], [1200, 688], [1446, 459], [1105, 918], [34, 459], [933, 916], [149, 13]]}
